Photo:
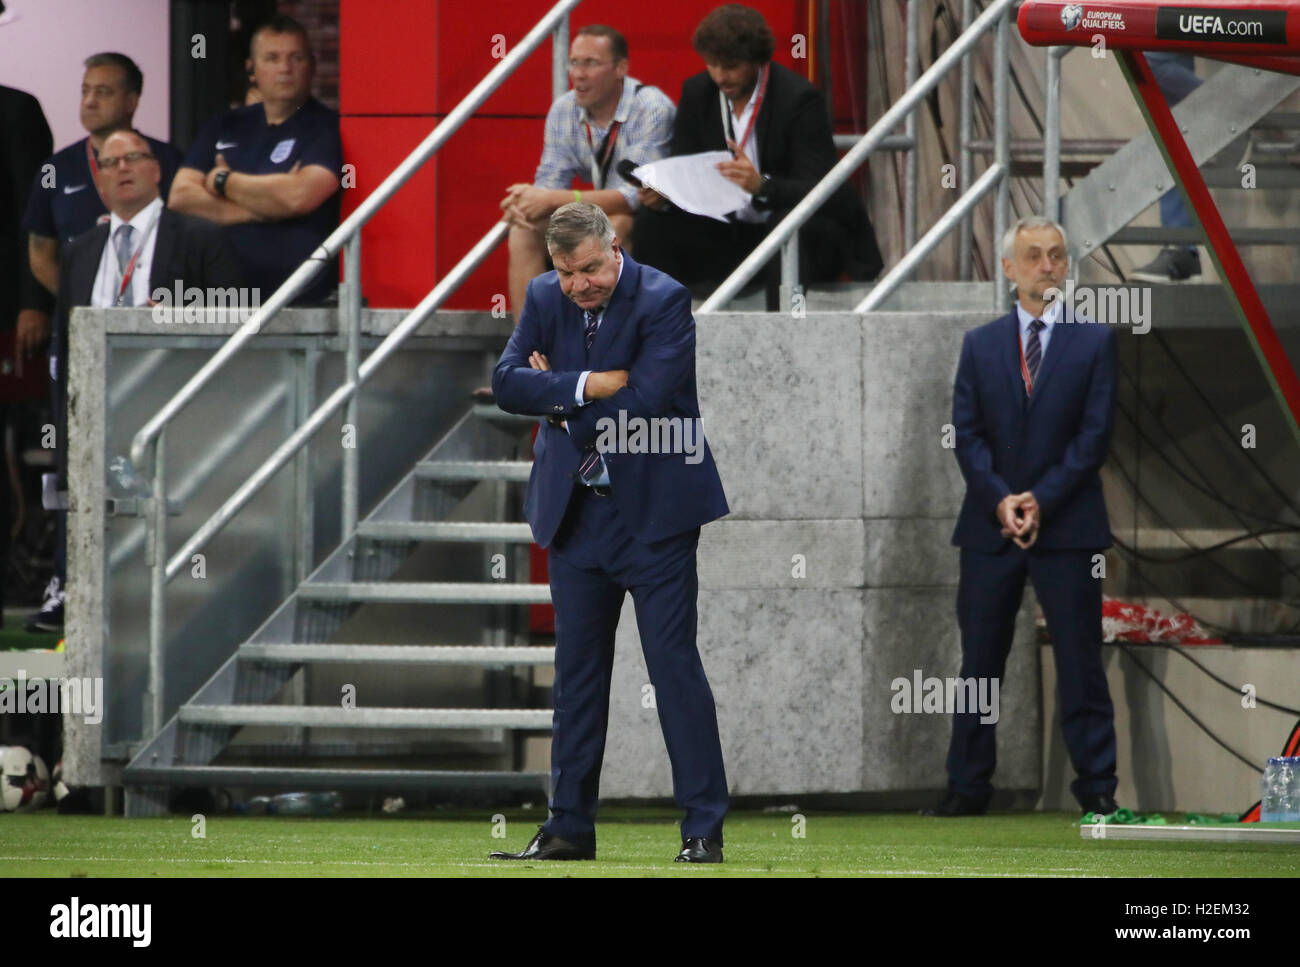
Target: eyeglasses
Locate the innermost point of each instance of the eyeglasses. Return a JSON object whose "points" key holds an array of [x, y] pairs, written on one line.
{"points": [[587, 65], [131, 157]]}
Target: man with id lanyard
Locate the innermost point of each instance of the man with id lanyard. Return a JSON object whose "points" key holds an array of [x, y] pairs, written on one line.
{"points": [[122, 262], [775, 125], [606, 118]]}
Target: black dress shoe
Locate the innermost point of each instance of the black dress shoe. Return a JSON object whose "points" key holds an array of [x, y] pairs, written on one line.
{"points": [[1102, 804], [697, 849], [955, 804], [547, 847]]}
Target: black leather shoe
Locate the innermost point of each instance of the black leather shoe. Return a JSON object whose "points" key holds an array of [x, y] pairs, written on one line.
{"points": [[1102, 803], [955, 804], [697, 849], [547, 847]]}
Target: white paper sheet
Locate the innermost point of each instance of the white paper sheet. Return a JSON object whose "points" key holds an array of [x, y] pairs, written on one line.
{"points": [[693, 183]]}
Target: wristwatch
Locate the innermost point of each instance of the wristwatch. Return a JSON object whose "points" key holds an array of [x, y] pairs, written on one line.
{"points": [[764, 187], [219, 182]]}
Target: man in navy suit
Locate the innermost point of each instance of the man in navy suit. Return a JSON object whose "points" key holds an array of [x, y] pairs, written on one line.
{"points": [[1033, 408], [605, 344]]}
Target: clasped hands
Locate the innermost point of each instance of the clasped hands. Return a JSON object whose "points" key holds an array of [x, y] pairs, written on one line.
{"points": [[1019, 516], [527, 206], [599, 385]]}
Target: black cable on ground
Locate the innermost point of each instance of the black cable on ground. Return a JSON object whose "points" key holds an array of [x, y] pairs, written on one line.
{"points": [[1181, 650], [1186, 711]]}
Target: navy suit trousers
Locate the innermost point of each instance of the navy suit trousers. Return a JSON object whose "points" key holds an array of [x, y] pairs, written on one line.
{"points": [[593, 562], [988, 597]]}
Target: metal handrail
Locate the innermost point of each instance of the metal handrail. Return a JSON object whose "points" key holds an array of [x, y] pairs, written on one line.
{"points": [[329, 249], [994, 16], [236, 501], [162, 570]]}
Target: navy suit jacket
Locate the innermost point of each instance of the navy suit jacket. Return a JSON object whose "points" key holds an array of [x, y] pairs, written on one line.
{"points": [[1052, 444], [648, 330]]}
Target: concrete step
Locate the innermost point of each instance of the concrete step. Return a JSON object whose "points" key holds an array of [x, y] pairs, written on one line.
{"points": [[329, 716], [514, 471], [278, 778], [460, 655], [421, 530], [416, 592]]}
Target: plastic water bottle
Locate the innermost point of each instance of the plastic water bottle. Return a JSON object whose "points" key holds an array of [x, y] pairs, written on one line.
{"points": [[306, 804], [1280, 787], [122, 472]]}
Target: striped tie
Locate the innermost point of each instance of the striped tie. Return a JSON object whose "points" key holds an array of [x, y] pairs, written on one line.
{"points": [[1034, 351], [122, 242], [590, 469]]}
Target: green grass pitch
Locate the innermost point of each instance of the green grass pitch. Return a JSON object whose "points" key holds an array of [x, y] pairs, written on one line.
{"points": [[631, 842]]}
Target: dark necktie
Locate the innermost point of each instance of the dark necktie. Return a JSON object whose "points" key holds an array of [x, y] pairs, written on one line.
{"points": [[1034, 350], [122, 241], [589, 470]]}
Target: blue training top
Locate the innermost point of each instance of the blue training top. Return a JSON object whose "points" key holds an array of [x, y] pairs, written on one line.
{"points": [[269, 252]]}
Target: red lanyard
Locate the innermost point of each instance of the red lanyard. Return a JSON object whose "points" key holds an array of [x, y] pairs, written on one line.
{"points": [[1024, 370], [94, 172], [758, 105], [600, 171]]}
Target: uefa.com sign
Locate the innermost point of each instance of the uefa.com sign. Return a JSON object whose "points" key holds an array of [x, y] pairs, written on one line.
{"points": [[1048, 23]]}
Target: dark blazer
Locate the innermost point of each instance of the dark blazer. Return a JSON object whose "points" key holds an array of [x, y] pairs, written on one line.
{"points": [[795, 147], [26, 142], [1052, 444], [191, 250], [648, 330]]}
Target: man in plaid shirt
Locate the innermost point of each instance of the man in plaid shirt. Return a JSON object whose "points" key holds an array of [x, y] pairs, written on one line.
{"points": [[607, 117]]}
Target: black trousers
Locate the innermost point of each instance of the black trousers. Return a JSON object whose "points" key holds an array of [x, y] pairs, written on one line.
{"points": [[695, 250]]}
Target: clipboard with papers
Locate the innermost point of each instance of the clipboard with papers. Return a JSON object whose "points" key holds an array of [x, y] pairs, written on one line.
{"points": [[694, 184]]}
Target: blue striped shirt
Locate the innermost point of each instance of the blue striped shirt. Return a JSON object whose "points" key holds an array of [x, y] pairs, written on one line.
{"points": [[646, 127]]}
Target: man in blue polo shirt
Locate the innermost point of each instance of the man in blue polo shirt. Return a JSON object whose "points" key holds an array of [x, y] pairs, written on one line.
{"points": [[270, 171]]}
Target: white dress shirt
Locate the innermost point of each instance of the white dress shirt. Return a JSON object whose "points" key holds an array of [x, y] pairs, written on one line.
{"points": [[750, 147], [1049, 318], [109, 276]]}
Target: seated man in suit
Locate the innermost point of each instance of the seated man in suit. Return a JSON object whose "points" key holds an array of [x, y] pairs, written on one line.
{"points": [[603, 342], [775, 124], [142, 251], [1033, 406]]}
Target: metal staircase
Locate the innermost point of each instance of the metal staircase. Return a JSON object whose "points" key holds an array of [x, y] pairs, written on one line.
{"points": [[469, 473]]}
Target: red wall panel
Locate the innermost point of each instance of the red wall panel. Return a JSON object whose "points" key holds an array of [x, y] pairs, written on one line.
{"points": [[399, 246], [388, 62], [403, 70]]}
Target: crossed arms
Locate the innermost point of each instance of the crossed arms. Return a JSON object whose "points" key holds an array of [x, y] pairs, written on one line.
{"points": [[524, 383]]}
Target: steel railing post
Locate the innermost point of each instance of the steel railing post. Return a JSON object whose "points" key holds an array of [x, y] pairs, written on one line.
{"points": [[157, 587], [351, 454], [910, 172], [1001, 157], [965, 174]]}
